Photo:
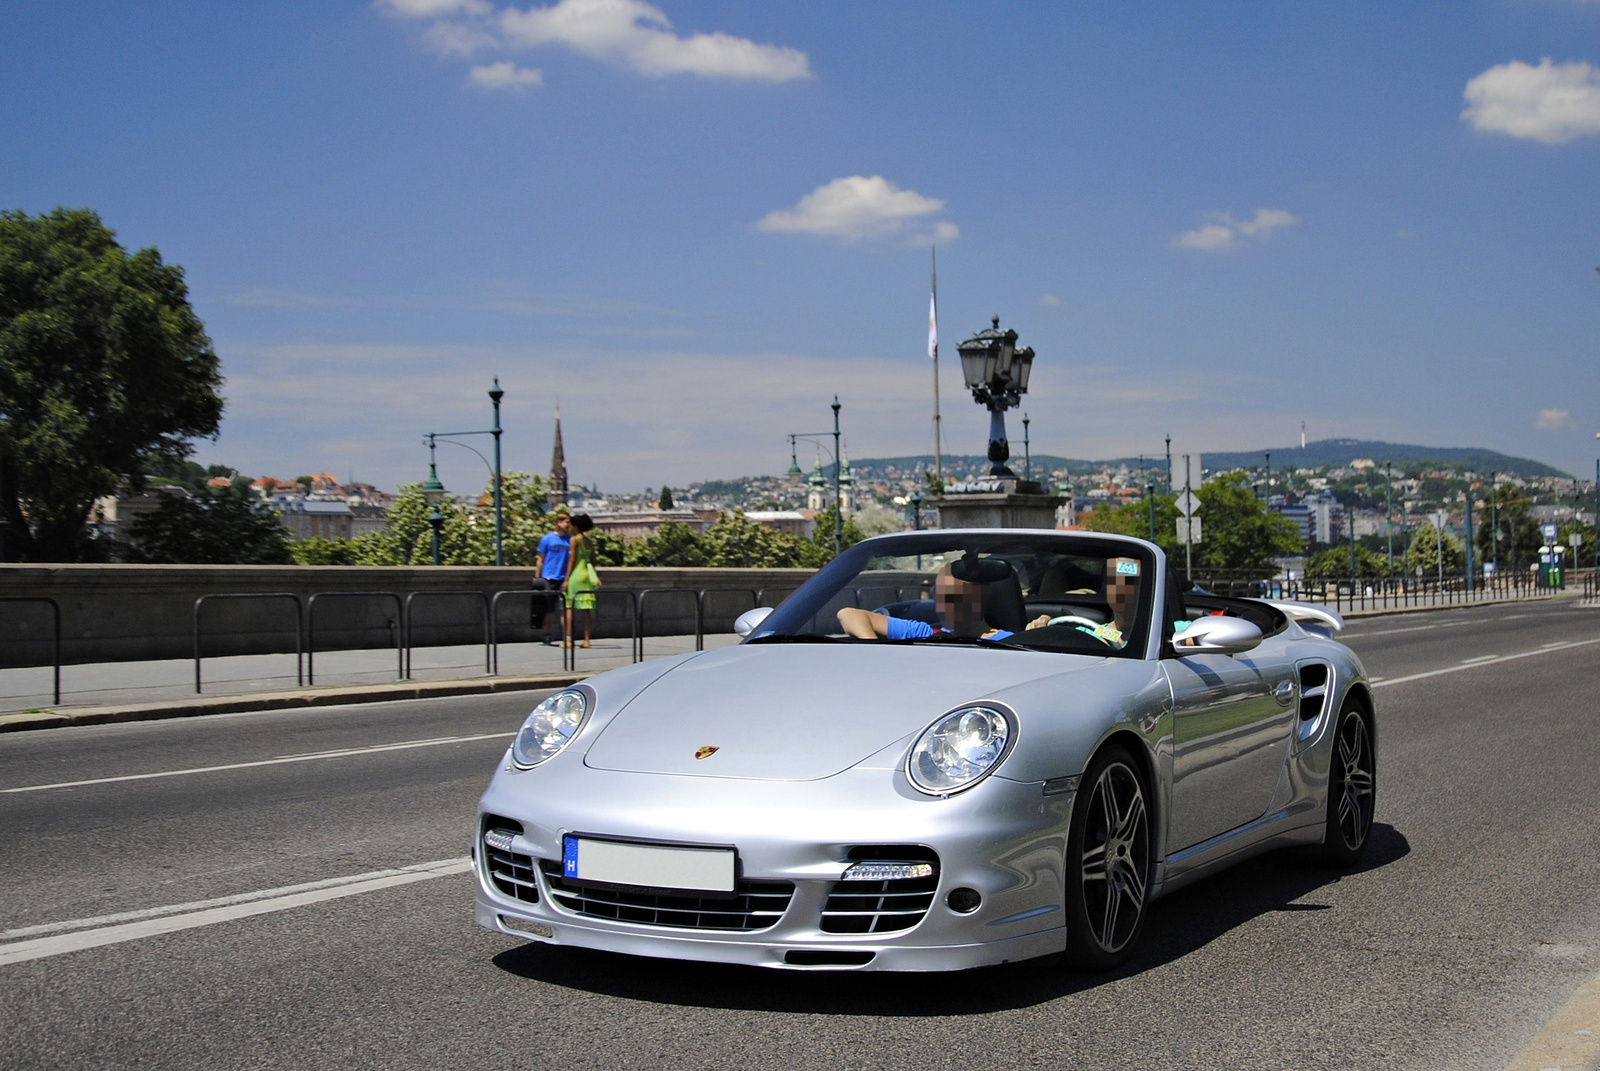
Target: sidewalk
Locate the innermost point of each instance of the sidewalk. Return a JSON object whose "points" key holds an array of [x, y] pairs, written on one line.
{"points": [[118, 684]]}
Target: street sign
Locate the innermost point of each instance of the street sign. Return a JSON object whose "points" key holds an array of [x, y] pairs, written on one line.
{"points": [[1188, 529], [1439, 519], [1549, 535], [1195, 476], [1576, 539], [1188, 503]]}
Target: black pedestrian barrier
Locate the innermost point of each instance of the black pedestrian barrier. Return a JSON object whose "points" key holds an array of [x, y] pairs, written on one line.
{"points": [[700, 610], [535, 597], [569, 652], [410, 624], [311, 628], [299, 625], [639, 616], [55, 657]]}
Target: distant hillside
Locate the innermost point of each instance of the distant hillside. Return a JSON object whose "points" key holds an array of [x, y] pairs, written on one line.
{"points": [[1324, 452]]}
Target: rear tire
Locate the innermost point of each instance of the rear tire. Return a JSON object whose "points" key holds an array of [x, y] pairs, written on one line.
{"points": [[1352, 788], [1108, 862]]}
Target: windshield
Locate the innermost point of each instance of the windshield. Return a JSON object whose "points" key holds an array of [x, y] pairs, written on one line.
{"points": [[1038, 590]]}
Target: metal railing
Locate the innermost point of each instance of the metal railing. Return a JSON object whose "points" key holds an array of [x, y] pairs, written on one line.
{"points": [[399, 627], [485, 606], [1378, 593], [55, 612], [299, 627]]}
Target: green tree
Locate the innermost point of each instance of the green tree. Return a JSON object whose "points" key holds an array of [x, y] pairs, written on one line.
{"points": [[1423, 553], [226, 526], [103, 367], [1237, 531], [822, 534], [1519, 538], [319, 550], [673, 544], [736, 541], [665, 501], [1335, 563]]}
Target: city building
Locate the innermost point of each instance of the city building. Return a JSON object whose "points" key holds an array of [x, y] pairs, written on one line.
{"points": [[790, 521], [638, 524], [315, 515]]}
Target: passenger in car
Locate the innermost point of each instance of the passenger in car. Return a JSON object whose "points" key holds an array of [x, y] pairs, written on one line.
{"points": [[958, 592]]}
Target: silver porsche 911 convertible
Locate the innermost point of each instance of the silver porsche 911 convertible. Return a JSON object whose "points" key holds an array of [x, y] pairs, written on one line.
{"points": [[947, 749]]}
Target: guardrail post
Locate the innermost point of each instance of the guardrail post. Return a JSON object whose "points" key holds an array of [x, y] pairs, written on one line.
{"points": [[311, 628], [55, 646], [299, 625], [483, 599]]}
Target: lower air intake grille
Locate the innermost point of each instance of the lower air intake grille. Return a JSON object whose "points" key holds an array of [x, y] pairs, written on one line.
{"points": [[882, 906], [754, 905], [510, 872]]}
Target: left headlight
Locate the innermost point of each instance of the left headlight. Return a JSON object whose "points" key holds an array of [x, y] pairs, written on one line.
{"points": [[550, 727], [960, 749]]}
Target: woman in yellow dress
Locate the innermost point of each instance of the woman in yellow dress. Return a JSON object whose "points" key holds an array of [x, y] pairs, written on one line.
{"points": [[582, 581]]}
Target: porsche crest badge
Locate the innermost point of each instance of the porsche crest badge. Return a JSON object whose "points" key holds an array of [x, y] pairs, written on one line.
{"points": [[705, 752]]}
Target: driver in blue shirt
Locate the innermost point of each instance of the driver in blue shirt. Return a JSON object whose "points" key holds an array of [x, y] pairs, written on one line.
{"points": [[960, 607]]}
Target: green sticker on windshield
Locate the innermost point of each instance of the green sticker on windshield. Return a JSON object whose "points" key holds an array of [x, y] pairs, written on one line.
{"points": [[1127, 568]]}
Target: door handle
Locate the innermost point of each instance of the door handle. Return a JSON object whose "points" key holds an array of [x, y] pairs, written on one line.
{"points": [[1284, 693]]}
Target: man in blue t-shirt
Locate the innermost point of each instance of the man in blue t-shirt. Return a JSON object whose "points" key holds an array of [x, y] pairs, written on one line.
{"points": [[960, 606], [550, 562]]}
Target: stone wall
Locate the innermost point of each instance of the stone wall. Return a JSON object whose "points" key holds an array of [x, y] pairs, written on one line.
{"points": [[118, 613]]}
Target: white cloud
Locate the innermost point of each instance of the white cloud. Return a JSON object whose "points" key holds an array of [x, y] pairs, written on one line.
{"points": [[1049, 300], [432, 9], [459, 38], [1553, 420], [1222, 231], [639, 36], [1552, 103], [857, 207], [504, 75]]}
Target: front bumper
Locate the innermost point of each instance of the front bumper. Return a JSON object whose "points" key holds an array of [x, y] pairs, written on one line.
{"points": [[1005, 839]]}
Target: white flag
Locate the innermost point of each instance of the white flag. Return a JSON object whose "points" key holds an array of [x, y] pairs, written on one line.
{"points": [[933, 326]]}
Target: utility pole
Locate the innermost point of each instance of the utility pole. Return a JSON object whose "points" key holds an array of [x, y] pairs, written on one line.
{"points": [[1471, 580], [1169, 463], [1188, 544], [933, 352], [1266, 481], [1494, 523], [495, 395], [838, 500], [1388, 515]]}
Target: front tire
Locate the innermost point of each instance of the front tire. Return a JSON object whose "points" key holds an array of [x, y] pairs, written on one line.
{"points": [[1108, 862], [1352, 789]]}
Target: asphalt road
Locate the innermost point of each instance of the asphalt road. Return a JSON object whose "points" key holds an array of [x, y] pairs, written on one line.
{"points": [[1473, 919]]}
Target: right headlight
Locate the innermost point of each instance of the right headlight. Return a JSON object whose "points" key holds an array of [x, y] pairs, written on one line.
{"points": [[550, 727], [960, 749]]}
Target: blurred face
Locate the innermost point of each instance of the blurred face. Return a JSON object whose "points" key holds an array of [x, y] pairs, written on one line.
{"points": [[960, 605], [1122, 587], [564, 525]]}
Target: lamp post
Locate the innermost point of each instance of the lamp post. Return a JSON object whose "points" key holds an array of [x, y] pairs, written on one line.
{"points": [[916, 511], [1597, 510], [1027, 454], [1494, 522], [996, 372], [815, 437], [1388, 515], [495, 394], [433, 493], [1266, 481]]}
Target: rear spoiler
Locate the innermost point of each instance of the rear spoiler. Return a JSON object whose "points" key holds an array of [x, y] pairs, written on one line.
{"points": [[1304, 611]]}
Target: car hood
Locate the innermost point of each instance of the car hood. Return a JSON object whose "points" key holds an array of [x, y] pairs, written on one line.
{"points": [[802, 712]]}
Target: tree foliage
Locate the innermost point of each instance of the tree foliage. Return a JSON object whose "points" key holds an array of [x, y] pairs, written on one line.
{"points": [[1334, 563], [1237, 530], [1519, 538], [224, 526], [1423, 553], [103, 367]]}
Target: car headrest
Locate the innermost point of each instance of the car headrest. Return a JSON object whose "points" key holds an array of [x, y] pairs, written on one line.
{"points": [[981, 570], [1003, 606]]}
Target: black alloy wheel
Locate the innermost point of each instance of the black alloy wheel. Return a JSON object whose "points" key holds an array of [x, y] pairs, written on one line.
{"points": [[1108, 862], [1352, 789]]}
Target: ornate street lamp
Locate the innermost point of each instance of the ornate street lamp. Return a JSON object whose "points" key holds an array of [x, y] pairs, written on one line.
{"points": [[433, 494], [996, 372], [495, 394]]}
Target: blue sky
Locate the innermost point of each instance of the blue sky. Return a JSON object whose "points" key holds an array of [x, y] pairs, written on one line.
{"points": [[696, 222]]}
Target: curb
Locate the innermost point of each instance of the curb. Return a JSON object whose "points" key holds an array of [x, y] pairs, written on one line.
{"points": [[238, 704]]}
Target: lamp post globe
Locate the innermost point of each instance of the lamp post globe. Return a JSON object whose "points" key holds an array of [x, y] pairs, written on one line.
{"points": [[996, 372]]}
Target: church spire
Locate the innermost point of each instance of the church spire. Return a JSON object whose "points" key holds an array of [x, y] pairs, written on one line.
{"points": [[558, 467]]}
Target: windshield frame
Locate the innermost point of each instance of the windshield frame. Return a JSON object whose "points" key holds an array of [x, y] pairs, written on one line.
{"points": [[796, 611]]}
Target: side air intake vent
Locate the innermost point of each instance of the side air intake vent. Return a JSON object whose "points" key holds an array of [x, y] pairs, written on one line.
{"points": [[1315, 680]]}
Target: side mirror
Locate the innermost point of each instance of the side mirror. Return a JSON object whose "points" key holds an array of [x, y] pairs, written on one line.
{"points": [[747, 621], [1217, 635]]}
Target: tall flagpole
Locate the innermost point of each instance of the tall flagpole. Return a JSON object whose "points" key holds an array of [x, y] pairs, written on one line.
{"points": [[933, 351]]}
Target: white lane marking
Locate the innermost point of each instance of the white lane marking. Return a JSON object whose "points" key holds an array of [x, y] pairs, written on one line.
{"points": [[1484, 658], [218, 901], [264, 762], [1484, 662], [61, 943]]}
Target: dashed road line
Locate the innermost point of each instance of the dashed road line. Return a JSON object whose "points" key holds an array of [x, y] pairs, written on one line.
{"points": [[1486, 660]]}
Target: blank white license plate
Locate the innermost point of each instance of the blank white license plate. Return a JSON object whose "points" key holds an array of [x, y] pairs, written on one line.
{"points": [[656, 866]]}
